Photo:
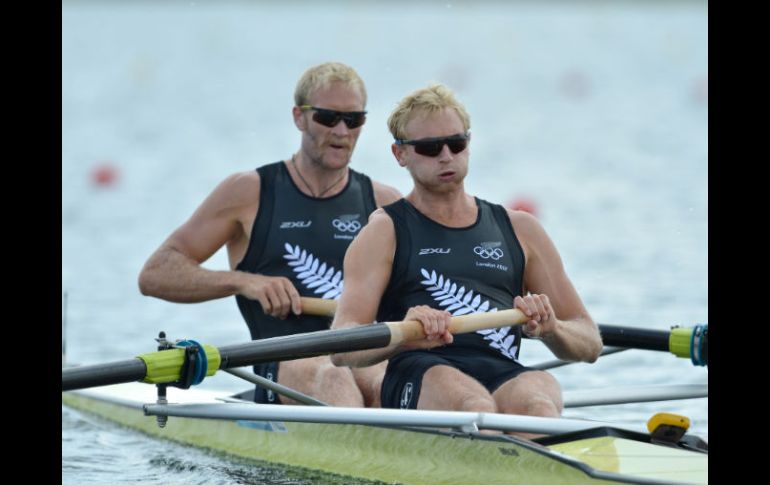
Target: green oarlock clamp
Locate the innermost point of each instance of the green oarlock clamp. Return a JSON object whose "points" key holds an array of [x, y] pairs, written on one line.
{"points": [[679, 341], [165, 366], [690, 343]]}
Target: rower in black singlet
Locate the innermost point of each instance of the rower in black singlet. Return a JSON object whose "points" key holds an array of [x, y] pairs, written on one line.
{"points": [[304, 239], [478, 268]]}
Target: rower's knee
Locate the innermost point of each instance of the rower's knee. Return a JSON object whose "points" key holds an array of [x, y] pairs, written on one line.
{"points": [[319, 378], [534, 393], [330, 374], [542, 405], [327, 375], [477, 403]]}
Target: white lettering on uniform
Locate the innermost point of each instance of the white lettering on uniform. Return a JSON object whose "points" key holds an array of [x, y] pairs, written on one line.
{"points": [[295, 224], [425, 251]]}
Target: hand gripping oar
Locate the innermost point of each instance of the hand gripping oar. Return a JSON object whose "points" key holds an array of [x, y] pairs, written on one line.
{"points": [[165, 366], [686, 342]]}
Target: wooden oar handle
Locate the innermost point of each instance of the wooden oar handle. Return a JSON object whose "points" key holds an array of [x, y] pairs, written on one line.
{"points": [[318, 306], [409, 330]]}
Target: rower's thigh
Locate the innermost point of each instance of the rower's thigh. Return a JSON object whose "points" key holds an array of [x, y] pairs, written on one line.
{"points": [[444, 387], [535, 393]]}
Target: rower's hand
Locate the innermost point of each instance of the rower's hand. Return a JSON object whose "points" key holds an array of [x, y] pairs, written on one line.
{"points": [[538, 308], [276, 294], [435, 324]]}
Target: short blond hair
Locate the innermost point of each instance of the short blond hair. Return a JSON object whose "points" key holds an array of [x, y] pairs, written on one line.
{"points": [[321, 76], [431, 99]]}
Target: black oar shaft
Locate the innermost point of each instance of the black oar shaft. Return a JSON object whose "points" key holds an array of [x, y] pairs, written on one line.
{"points": [[637, 338], [300, 346], [290, 347], [102, 374]]}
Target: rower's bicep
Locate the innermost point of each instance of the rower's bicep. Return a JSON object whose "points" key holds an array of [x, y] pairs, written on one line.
{"points": [[217, 220]]}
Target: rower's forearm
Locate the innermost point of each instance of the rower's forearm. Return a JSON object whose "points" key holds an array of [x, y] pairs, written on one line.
{"points": [[173, 276], [202, 285], [575, 340]]}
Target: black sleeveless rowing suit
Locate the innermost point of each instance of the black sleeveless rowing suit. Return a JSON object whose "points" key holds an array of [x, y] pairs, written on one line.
{"points": [[478, 268], [304, 239]]}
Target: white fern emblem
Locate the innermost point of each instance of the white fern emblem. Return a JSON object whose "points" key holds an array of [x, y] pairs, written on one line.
{"points": [[458, 301], [313, 273]]}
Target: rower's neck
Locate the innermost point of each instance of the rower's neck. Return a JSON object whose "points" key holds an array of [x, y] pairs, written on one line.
{"points": [[453, 209], [314, 179]]}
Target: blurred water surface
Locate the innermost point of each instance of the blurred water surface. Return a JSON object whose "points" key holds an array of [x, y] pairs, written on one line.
{"points": [[595, 113]]}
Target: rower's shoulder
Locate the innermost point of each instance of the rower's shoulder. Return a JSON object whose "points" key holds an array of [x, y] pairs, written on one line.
{"points": [[384, 194], [245, 179], [377, 236], [524, 223], [379, 222], [239, 188]]}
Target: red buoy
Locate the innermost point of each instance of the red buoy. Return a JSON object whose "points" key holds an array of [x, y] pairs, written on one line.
{"points": [[104, 175], [523, 204]]}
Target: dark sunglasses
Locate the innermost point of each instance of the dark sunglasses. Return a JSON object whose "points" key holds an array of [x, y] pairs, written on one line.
{"points": [[330, 117], [431, 147]]}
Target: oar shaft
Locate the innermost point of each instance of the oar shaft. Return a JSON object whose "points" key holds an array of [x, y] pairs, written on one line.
{"points": [[268, 350], [289, 347], [683, 342], [638, 338], [300, 346], [351, 339], [80, 377]]}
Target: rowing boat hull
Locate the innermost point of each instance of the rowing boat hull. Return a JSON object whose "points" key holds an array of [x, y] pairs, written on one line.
{"points": [[398, 455]]}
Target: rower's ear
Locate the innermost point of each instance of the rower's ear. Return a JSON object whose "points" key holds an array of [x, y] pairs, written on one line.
{"points": [[299, 120], [398, 152]]}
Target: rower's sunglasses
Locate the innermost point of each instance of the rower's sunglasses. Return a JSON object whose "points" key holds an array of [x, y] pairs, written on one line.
{"points": [[431, 147], [330, 117]]}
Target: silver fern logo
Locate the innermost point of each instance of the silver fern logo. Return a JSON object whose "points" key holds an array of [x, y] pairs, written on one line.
{"points": [[456, 299], [489, 250], [458, 302], [347, 223], [311, 272]]}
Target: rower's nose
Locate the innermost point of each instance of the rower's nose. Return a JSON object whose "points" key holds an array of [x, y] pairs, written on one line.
{"points": [[340, 129]]}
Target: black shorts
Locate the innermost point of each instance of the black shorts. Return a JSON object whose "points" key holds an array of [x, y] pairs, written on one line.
{"points": [[268, 370], [403, 377]]}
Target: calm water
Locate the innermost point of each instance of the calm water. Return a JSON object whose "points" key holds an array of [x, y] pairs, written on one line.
{"points": [[596, 113]]}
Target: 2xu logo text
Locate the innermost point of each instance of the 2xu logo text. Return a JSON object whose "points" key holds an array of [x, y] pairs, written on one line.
{"points": [[434, 251], [295, 224]]}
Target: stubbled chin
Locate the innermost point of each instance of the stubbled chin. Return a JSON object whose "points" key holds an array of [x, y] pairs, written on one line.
{"points": [[338, 155]]}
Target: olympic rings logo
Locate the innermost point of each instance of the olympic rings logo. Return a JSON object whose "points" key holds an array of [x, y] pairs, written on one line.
{"points": [[487, 253], [346, 226]]}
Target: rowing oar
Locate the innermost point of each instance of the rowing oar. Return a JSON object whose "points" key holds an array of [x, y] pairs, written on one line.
{"points": [[687, 342], [165, 366]]}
